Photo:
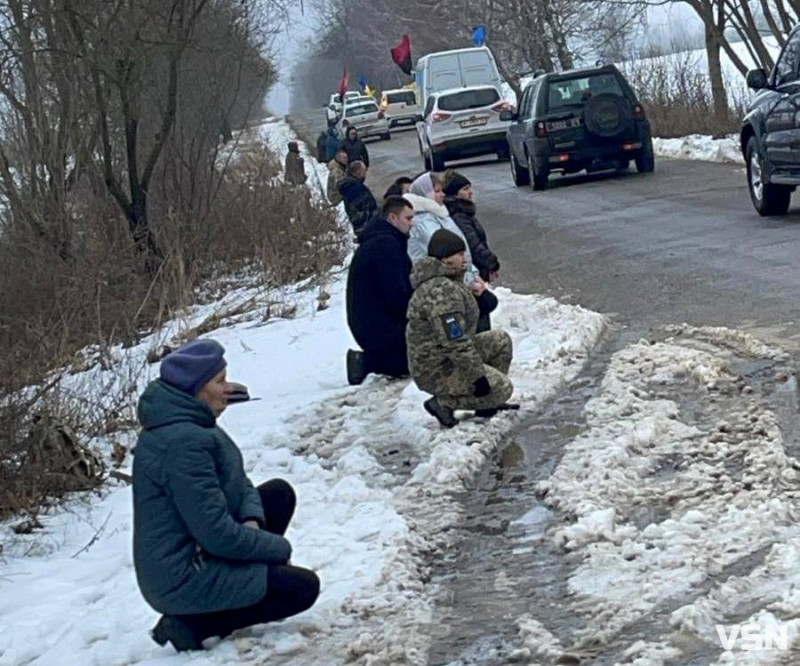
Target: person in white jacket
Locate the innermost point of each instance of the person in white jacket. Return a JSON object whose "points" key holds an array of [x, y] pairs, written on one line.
{"points": [[430, 214]]}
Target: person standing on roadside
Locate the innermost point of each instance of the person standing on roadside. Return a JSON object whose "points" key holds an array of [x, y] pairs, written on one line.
{"points": [[337, 172], [295, 168], [331, 143], [359, 202], [354, 147]]}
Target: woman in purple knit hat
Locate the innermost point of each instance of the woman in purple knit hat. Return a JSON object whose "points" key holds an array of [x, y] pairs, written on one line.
{"points": [[208, 546]]}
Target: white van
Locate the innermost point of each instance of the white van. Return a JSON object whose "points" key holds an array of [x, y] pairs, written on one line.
{"points": [[458, 68]]}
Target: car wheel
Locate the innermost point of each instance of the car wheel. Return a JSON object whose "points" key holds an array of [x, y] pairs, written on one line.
{"points": [[386, 136], [426, 160], [539, 180], [768, 199], [645, 160], [519, 174], [437, 162]]}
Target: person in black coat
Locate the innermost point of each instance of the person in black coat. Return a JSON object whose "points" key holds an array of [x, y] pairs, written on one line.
{"points": [[460, 204], [354, 147], [378, 292], [359, 203], [458, 199]]}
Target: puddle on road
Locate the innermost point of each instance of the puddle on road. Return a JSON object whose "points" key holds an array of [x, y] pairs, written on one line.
{"points": [[504, 567]]}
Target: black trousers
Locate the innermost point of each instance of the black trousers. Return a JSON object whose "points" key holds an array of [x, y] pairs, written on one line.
{"points": [[290, 589], [392, 362]]}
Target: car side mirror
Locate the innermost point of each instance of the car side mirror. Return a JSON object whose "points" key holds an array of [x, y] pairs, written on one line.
{"points": [[757, 79], [508, 116]]}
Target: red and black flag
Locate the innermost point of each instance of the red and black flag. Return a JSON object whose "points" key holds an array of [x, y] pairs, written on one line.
{"points": [[401, 54], [343, 85]]}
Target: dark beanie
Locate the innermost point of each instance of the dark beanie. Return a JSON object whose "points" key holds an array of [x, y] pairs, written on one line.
{"points": [[293, 147], [455, 184], [444, 243], [192, 366]]}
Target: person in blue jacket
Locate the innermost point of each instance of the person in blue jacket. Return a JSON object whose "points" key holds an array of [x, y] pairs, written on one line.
{"points": [[208, 546]]}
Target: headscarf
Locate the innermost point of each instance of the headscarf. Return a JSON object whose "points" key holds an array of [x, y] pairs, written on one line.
{"points": [[423, 186]]}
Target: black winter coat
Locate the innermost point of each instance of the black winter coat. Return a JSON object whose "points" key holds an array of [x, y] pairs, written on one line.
{"points": [[356, 150], [379, 288], [359, 203], [463, 214]]}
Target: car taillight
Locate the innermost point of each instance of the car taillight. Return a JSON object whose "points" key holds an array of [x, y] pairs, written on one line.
{"points": [[541, 129], [502, 106], [439, 116], [381, 115], [638, 111]]}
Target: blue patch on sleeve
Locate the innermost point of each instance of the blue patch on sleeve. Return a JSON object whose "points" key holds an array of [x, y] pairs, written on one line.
{"points": [[452, 327]]}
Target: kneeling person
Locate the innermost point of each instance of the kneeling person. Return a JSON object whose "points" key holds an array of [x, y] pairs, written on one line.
{"points": [[447, 358], [208, 546], [378, 292]]}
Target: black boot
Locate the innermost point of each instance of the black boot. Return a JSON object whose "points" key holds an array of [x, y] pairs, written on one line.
{"points": [[443, 415], [176, 631], [356, 367]]}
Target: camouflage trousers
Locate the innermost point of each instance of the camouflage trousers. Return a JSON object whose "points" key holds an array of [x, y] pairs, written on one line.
{"points": [[496, 350]]}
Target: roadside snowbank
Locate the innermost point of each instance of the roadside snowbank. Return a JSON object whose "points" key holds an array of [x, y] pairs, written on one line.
{"points": [[680, 475], [367, 462], [700, 147]]}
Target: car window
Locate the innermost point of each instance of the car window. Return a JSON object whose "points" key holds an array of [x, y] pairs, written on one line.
{"points": [[429, 105], [336, 99], [360, 109], [468, 99], [575, 91], [401, 97], [786, 69]]}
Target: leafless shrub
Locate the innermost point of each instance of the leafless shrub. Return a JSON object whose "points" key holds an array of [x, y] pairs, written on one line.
{"points": [[676, 94]]}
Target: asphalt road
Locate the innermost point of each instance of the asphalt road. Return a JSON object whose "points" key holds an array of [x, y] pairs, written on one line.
{"points": [[683, 244]]}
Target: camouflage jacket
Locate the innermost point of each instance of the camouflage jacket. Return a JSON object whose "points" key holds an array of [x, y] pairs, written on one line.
{"points": [[442, 317], [336, 173]]}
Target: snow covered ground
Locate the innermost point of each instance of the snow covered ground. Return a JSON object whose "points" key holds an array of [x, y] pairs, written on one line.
{"points": [[372, 472], [679, 480], [700, 147]]}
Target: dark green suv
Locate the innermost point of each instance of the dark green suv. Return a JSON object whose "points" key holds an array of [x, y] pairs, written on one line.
{"points": [[580, 119]]}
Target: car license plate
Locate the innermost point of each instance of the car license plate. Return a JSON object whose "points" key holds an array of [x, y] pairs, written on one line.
{"points": [[473, 122], [570, 123]]}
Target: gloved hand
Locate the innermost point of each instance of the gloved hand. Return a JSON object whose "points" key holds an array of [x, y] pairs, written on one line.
{"points": [[482, 387]]}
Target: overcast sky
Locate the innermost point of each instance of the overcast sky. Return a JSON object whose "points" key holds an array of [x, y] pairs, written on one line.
{"points": [[289, 46]]}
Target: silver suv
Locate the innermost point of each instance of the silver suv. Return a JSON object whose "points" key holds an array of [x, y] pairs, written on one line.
{"points": [[463, 122]]}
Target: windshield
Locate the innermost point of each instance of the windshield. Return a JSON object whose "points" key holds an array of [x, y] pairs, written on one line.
{"points": [[361, 110], [468, 99], [399, 98], [564, 93]]}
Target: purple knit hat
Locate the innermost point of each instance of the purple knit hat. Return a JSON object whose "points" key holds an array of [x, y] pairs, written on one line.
{"points": [[192, 366]]}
